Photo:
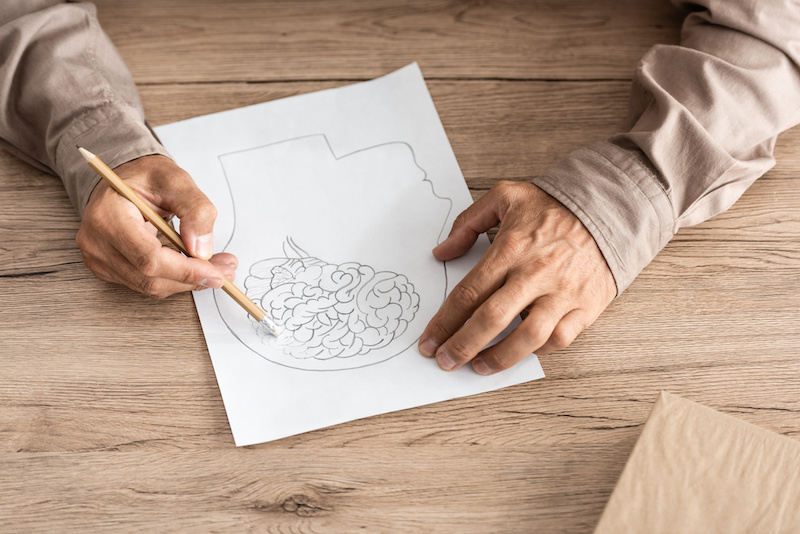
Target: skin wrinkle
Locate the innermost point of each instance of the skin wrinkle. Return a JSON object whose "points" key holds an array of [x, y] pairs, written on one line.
{"points": [[540, 261], [613, 260], [120, 247]]}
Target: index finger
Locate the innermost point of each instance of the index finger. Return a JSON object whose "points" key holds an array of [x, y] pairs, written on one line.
{"points": [[483, 280]]}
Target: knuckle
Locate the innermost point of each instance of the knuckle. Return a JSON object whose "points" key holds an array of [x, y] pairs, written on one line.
{"points": [[550, 308], [511, 245], [206, 211], [194, 274], [503, 361], [505, 188], [189, 275], [87, 248], [534, 334], [460, 219], [437, 331], [88, 242], [493, 314], [189, 278], [460, 352], [562, 337], [464, 295], [90, 262], [154, 288], [149, 287], [147, 265], [80, 239], [96, 268]]}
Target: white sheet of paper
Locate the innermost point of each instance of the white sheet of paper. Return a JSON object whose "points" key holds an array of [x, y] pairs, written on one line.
{"points": [[332, 202]]}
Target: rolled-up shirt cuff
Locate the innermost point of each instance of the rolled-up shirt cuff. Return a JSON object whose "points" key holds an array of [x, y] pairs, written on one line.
{"points": [[116, 134], [619, 199]]}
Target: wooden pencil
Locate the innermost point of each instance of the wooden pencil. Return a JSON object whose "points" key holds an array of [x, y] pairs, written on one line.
{"points": [[125, 190]]}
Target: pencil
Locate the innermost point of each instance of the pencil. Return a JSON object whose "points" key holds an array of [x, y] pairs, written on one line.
{"points": [[124, 189]]}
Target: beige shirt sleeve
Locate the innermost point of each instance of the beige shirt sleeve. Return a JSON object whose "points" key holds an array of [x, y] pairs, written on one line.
{"points": [[703, 123], [63, 83]]}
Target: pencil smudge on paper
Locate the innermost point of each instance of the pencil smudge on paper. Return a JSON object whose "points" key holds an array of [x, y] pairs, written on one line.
{"points": [[329, 311]]}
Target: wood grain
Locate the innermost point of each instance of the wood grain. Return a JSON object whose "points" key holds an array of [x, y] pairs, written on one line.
{"points": [[499, 130], [113, 421], [207, 41], [339, 490]]}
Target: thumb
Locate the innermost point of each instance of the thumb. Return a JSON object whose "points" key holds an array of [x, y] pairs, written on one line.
{"points": [[472, 222], [196, 212], [197, 215]]}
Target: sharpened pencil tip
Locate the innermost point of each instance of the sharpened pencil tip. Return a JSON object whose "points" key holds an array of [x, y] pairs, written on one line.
{"points": [[78, 147]]}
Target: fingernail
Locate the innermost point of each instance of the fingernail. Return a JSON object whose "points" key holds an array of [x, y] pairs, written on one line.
{"points": [[230, 276], [428, 348], [203, 246], [480, 367], [445, 361], [215, 283]]}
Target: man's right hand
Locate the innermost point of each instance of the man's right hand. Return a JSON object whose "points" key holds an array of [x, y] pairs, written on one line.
{"points": [[119, 246]]}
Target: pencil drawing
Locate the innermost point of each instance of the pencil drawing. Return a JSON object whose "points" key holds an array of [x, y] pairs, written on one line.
{"points": [[327, 310], [369, 218]]}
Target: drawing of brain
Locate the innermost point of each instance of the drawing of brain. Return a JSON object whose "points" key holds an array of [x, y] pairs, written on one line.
{"points": [[330, 311], [368, 216]]}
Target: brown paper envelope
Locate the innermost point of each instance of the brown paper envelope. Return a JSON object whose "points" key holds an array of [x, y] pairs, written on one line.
{"points": [[694, 469]]}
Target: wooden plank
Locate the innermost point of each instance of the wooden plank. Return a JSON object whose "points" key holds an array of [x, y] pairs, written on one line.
{"points": [[506, 465], [422, 489], [591, 396], [253, 40]]}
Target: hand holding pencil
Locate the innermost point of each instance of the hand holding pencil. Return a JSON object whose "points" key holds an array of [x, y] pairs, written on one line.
{"points": [[119, 245]]}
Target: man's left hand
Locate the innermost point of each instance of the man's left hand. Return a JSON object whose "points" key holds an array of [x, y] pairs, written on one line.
{"points": [[542, 260]]}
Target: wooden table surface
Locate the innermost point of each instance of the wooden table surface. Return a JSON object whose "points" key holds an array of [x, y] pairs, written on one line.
{"points": [[110, 416]]}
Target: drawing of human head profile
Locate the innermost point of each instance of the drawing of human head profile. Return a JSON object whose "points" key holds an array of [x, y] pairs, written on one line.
{"points": [[369, 283]]}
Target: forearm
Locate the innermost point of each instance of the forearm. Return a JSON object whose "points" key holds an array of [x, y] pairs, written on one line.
{"points": [[704, 118], [64, 84]]}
